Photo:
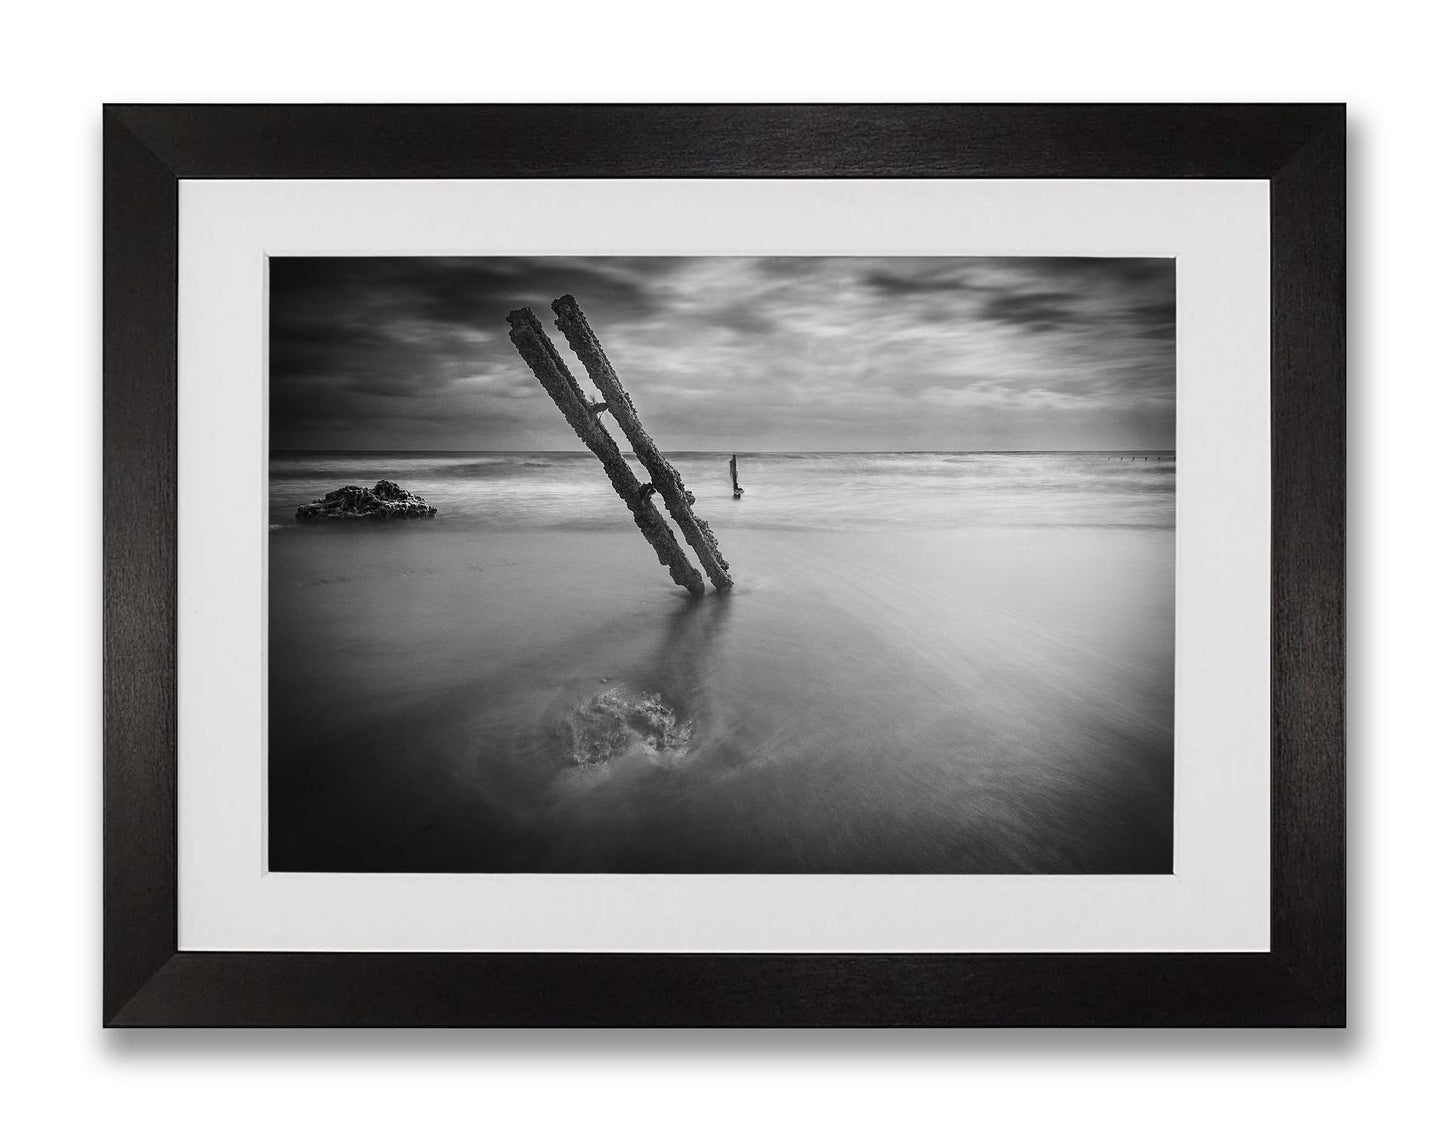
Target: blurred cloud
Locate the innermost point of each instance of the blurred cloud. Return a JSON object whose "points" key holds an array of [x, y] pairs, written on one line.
{"points": [[733, 353]]}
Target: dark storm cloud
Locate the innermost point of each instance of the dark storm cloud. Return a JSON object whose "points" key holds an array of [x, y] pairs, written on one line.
{"points": [[903, 285], [775, 353], [1037, 311], [1142, 272], [1154, 319], [332, 313]]}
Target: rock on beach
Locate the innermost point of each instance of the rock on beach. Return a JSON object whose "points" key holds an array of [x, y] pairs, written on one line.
{"points": [[384, 501]]}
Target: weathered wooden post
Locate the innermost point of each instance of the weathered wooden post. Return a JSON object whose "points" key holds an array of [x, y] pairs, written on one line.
{"points": [[536, 349], [733, 466], [675, 495]]}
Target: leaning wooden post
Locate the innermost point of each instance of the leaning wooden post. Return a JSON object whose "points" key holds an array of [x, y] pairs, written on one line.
{"points": [[536, 349], [675, 495]]}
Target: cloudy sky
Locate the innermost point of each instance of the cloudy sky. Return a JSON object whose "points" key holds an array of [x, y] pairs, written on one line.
{"points": [[732, 353]]}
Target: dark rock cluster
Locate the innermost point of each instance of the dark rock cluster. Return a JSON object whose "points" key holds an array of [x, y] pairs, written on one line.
{"points": [[384, 501]]}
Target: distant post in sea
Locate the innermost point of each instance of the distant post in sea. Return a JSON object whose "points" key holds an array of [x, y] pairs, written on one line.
{"points": [[733, 466]]}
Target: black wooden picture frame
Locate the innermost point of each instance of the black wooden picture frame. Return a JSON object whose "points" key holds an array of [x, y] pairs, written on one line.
{"points": [[1299, 149]]}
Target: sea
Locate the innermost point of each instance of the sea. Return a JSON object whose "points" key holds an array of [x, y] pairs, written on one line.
{"points": [[931, 662], [567, 489]]}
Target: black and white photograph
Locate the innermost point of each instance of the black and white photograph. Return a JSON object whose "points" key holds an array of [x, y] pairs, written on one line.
{"points": [[822, 565]]}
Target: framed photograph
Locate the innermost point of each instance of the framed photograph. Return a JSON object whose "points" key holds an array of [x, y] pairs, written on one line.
{"points": [[724, 565]]}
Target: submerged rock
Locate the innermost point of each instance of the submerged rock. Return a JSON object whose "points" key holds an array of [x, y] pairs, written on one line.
{"points": [[384, 501], [621, 720]]}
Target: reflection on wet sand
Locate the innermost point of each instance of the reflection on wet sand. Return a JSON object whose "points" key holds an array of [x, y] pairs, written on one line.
{"points": [[997, 701], [658, 709]]}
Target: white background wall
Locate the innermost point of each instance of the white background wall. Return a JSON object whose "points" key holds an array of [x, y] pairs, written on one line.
{"points": [[61, 62]]}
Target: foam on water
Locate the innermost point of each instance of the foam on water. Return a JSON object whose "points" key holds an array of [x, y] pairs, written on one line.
{"points": [[620, 720]]}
